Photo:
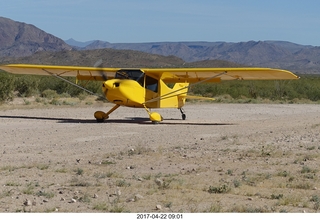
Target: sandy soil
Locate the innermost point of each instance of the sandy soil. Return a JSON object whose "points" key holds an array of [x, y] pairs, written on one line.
{"points": [[223, 158]]}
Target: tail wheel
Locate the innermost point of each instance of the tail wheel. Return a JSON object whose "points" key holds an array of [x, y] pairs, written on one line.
{"points": [[183, 115]]}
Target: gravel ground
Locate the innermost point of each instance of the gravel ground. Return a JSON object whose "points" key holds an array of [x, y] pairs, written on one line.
{"points": [[222, 158]]}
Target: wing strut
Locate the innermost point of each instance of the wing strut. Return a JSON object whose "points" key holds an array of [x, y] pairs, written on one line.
{"points": [[171, 94], [74, 84]]}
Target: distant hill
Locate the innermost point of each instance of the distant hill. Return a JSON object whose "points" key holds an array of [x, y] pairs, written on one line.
{"points": [[78, 44], [275, 54], [18, 39], [113, 58]]}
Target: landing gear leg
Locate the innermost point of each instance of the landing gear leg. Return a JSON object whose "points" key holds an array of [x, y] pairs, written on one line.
{"points": [[101, 116], [183, 115], [155, 117]]}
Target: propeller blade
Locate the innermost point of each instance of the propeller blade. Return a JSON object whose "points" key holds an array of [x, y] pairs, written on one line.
{"points": [[99, 64]]}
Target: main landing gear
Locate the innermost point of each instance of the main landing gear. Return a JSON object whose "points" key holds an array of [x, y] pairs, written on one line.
{"points": [[155, 117], [101, 116]]}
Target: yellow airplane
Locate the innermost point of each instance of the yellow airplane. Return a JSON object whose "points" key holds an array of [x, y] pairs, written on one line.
{"points": [[149, 88]]}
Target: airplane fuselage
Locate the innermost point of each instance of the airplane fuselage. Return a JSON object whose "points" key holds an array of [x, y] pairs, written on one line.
{"points": [[132, 88]]}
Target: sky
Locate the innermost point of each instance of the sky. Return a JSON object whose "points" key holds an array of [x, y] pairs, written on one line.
{"points": [[140, 21]]}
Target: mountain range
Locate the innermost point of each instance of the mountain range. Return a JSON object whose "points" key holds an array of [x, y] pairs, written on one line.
{"points": [[20, 42]]}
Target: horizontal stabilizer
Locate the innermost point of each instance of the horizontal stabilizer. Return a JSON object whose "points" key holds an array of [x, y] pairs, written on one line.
{"points": [[199, 97]]}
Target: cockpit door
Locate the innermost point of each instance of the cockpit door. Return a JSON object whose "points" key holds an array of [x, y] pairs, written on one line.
{"points": [[152, 91]]}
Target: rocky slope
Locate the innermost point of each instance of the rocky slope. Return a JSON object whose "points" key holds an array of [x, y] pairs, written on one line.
{"points": [[19, 39]]}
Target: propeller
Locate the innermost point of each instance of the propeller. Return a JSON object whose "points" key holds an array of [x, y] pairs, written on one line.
{"points": [[99, 64]]}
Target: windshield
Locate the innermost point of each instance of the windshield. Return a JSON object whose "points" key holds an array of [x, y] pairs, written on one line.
{"points": [[136, 75]]}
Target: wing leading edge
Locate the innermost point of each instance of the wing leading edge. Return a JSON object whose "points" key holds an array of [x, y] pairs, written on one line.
{"points": [[168, 75], [82, 73], [192, 75]]}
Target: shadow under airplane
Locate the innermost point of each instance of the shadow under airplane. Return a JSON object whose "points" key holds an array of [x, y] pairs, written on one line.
{"points": [[128, 120]]}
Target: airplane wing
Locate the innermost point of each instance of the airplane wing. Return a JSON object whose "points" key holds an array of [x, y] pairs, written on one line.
{"points": [[168, 75], [82, 73], [193, 75]]}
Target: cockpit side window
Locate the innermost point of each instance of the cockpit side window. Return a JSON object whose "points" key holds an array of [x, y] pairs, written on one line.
{"points": [[151, 84], [138, 75]]}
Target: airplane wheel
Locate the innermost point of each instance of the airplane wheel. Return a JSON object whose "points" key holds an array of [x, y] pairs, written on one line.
{"points": [[100, 116], [155, 117], [184, 116]]}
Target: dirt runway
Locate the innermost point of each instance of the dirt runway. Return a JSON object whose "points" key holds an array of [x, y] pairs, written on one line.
{"points": [[222, 158]]}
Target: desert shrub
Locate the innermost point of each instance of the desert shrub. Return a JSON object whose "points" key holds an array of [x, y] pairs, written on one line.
{"points": [[61, 87], [26, 85], [6, 87], [49, 94], [51, 83], [219, 189], [307, 87]]}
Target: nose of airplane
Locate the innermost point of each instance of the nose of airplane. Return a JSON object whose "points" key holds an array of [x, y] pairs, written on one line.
{"points": [[110, 84], [129, 92]]}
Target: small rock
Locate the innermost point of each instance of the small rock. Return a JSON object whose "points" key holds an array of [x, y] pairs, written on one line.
{"points": [[95, 196], [137, 197], [73, 201], [158, 207], [130, 167], [118, 193], [130, 200], [159, 182], [27, 202]]}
